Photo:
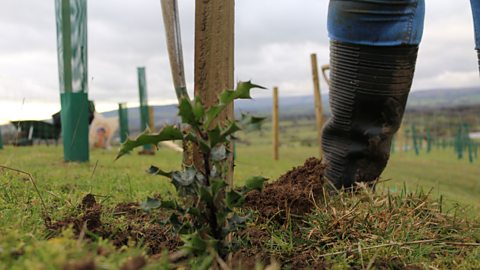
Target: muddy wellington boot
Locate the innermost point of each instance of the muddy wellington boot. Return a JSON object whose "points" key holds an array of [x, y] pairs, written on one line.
{"points": [[368, 93]]}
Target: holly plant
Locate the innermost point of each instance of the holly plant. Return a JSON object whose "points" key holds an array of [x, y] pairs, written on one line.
{"points": [[206, 210]]}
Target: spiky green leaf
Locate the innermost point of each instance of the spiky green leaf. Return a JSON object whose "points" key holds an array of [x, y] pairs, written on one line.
{"points": [[226, 98], [230, 130], [157, 171], [198, 109], [255, 183], [218, 153], [234, 223], [184, 178], [234, 199], [186, 112], [168, 133], [152, 203], [251, 123], [214, 136], [217, 186], [205, 195]]}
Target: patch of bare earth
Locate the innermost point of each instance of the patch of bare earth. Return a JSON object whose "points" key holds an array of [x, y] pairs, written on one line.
{"points": [[139, 226], [293, 194]]}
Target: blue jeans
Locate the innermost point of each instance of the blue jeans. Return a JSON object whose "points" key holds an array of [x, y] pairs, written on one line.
{"points": [[383, 22]]}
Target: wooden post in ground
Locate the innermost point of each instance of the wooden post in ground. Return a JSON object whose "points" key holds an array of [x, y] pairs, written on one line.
{"points": [[318, 102], [151, 118], [275, 125], [214, 58]]}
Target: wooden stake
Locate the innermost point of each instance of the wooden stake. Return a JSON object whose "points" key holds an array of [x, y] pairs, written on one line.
{"points": [[151, 118], [318, 102], [275, 125], [214, 58]]}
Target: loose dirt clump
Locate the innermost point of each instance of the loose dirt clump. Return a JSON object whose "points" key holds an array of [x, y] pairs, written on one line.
{"points": [[89, 218], [137, 226], [293, 194], [247, 257]]}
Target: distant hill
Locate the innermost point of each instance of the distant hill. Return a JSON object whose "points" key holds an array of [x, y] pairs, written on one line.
{"points": [[444, 98], [302, 106]]}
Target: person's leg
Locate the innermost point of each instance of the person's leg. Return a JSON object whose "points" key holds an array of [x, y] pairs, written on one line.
{"points": [[374, 46], [476, 23]]}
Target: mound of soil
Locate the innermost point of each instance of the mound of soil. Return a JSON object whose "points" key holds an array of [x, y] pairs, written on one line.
{"points": [[88, 219], [293, 194], [139, 226]]}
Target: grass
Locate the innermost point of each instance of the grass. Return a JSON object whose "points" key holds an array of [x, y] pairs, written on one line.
{"points": [[374, 231], [24, 242]]}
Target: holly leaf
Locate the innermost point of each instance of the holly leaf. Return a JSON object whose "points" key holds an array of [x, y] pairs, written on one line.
{"points": [[251, 123], [195, 244], [184, 178], [215, 136], [151, 204], [234, 199], [217, 186], [226, 98], [230, 130], [255, 183], [186, 112], [234, 223], [157, 171], [198, 110], [218, 153], [168, 133], [205, 195]]}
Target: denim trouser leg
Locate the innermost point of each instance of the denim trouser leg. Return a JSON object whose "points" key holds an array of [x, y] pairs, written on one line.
{"points": [[384, 22], [377, 22], [476, 21]]}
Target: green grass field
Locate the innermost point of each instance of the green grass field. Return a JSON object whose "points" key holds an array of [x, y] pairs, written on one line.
{"points": [[24, 241]]}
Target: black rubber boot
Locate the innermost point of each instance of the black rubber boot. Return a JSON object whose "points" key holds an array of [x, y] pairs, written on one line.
{"points": [[368, 93], [478, 57]]}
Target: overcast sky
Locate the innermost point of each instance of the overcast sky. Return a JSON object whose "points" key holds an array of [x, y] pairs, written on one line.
{"points": [[274, 39]]}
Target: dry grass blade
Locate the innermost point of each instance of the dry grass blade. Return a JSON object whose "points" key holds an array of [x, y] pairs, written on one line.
{"points": [[32, 180], [400, 244]]}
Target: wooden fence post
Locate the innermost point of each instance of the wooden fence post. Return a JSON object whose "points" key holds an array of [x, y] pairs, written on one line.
{"points": [[318, 102], [214, 59], [151, 118], [275, 125]]}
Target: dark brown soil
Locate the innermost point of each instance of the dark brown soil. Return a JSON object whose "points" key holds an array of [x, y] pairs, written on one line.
{"points": [[89, 218], [293, 194], [135, 263], [87, 264], [247, 257], [88, 201], [139, 226]]}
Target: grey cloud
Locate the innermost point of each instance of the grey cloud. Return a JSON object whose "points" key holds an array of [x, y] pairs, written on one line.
{"points": [[274, 39]]}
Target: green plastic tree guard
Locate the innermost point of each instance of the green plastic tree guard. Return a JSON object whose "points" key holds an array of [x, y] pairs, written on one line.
{"points": [[406, 146], [123, 118], [429, 140], [459, 142], [415, 140], [71, 18], [475, 150], [144, 114]]}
